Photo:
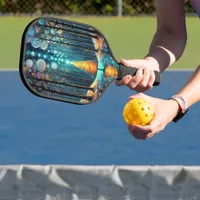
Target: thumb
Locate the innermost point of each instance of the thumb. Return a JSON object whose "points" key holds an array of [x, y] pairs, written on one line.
{"points": [[150, 129], [154, 127], [134, 63]]}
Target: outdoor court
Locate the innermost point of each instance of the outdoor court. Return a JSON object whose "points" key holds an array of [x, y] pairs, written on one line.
{"points": [[40, 131]]}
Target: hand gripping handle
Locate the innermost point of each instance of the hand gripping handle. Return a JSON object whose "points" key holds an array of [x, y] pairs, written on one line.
{"points": [[123, 71]]}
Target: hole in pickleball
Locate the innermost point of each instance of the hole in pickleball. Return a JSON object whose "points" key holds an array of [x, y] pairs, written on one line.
{"points": [[142, 109], [146, 115]]}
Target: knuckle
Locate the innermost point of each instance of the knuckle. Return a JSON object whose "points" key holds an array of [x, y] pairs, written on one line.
{"points": [[143, 84], [125, 80], [149, 85], [139, 76], [133, 83], [135, 80], [131, 86]]}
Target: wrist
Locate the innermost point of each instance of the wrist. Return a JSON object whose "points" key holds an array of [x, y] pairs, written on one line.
{"points": [[175, 108], [163, 56], [182, 107]]}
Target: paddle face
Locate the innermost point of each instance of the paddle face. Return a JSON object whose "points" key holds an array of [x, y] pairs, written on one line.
{"points": [[66, 61]]}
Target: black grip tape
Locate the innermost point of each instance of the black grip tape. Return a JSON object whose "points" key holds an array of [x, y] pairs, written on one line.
{"points": [[123, 71]]}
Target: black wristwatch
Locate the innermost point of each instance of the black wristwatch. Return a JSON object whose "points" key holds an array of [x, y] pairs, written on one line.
{"points": [[183, 109]]}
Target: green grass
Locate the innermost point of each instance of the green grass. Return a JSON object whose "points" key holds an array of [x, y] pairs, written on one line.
{"points": [[128, 37]]}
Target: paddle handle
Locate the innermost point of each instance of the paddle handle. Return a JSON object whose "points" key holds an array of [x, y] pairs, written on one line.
{"points": [[123, 71]]}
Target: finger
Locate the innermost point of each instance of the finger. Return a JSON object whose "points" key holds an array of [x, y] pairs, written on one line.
{"points": [[137, 95], [135, 134], [142, 89], [152, 78], [156, 131], [125, 80], [154, 127], [151, 135], [145, 83], [131, 63], [136, 79], [145, 80], [138, 132], [146, 132], [130, 127]]}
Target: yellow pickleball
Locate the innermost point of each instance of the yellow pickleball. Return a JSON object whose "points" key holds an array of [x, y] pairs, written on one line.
{"points": [[138, 111]]}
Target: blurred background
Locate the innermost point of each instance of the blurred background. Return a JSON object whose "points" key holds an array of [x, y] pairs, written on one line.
{"points": [[128, 25], [40, 131], [81, 7]]}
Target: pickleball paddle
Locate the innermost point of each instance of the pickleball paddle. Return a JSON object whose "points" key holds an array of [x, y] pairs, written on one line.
{"points": [[68, 61]]}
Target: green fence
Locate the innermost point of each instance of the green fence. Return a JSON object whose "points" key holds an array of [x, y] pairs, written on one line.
{"points": [[80, 7]]}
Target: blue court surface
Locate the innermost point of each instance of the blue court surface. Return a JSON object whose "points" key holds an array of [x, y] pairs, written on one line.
{"points": [[40, 131]]}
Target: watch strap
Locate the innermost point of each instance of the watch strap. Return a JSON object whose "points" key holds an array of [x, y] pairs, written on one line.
{"points": [[183, 108]]}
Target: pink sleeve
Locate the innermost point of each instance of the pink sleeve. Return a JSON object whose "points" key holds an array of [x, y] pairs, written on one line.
{"points": [[196, 5]]}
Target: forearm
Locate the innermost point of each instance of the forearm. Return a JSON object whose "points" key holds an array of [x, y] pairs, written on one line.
{"points": [[166, 48], [191, 91], [170, 38]]}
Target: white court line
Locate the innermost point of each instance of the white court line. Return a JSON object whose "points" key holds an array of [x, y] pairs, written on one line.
{"points": [[181, 69], [8, 70]]}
